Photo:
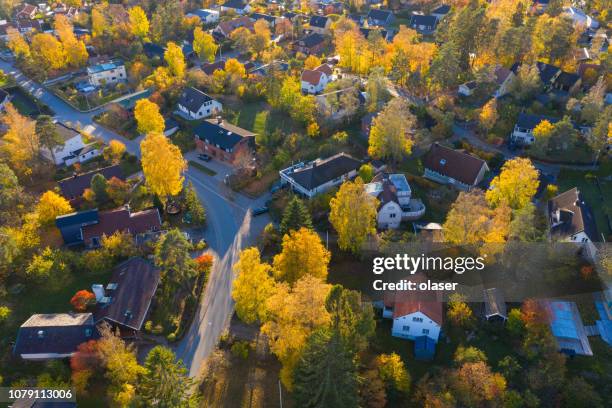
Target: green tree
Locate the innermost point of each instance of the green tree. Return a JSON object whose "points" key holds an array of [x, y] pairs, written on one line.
{"points": [[468, 355], [350, 317], [326, 374], [515, 324], [165, 382], [48, 135], [445, 71], [523, 226], [527, 82], [295, 216], [459, 313], [172, 256], [366, 172], [194, 205], [99, 186]]}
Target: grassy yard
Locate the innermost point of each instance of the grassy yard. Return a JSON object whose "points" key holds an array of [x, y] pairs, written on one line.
{"points": [[257, 117], [26, 104], [574, 178], [202, 168]]}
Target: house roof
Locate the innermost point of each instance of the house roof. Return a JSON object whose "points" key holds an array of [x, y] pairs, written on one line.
{"points": [[77, 218], [319, 172], [260, 16], [529, 121], [235, 4], [423, 20], [223, 134], [135, 282], [406, 302], [107, 66], [318, 21], [227, 27], [75, 186], [500, 74], [326, 69], [210, 68], [65, 132], [378, 14], [385, 187], [453, 163], [443, 9], [312, 40], [153, 50], [547, 71], [567, 80], [495, 305], [567, 327], [121, 219], [193, 99], [58, 333], [311, 76], [570, 214]]}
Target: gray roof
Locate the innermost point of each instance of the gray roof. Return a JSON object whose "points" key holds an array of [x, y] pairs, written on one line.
{"points": [[377, 14], [193, 99], [427, 21], [495, 305], [223, 134], [318, 21], [58, 333], [320, 172], [235, 4], [569, 214], [529, 121], [75, 186]]}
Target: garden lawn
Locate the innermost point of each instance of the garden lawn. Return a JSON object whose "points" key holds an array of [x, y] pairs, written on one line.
{"points": [[258, 117]]}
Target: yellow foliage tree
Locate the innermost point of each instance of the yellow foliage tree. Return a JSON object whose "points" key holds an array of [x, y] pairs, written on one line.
{"points": [[252, 287], [390, 132], [114, 152], [17, 43], [303, 254], [163, 166], [204, 45], [488, 115], [21, 142], [47, 51], [516, 184], [52, 205], [353, 215], [148, 117], [293, 314], [75, 51], [176, 60], [311, 62], [139, 22]]}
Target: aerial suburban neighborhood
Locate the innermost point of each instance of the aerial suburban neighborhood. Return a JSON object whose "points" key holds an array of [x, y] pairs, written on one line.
{"points": [[309, 204]]}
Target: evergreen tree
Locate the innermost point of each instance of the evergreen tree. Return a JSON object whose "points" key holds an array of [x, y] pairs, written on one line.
{"points": [[326, 374], [295, 216], [98, 186], [194, 206]]}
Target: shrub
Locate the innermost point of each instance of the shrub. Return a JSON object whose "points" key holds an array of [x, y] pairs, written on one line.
{"points": [[241, 349], [82, 299], [171, 337], [5, 312]]}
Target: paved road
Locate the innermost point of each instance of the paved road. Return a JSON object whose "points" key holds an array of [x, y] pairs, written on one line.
{"points": [[230, 228]]}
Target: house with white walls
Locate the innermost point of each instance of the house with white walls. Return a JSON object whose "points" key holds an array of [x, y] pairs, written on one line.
{"points": [[315, 80], [395, 200], [195, 104], [72, 150], [107, 73]]}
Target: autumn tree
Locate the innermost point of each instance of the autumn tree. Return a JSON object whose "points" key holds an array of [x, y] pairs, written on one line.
{"points": [[353, 215], [139, 22], [163, 166], [21, 143], [326, 373], [50, 206], [82, 299], [204, 45], [48, 136], [252, 287], [148, 117], [165, 380], [293, 314], [516, 184], [175, 60], [295, 216], [75, 51], [47, 51], [98, 185], [167, 22], [376, 87], [601, 135], [527, 82], [194, 205], [312, 62], [552, 38], [542, 134], [459, 313], [393, 373], [242, 38], [470, 221], [350, 317], [474, 384], [488, 115], [261, 37], [302, 254], [390, 132], [114, 151], [117, 190], [17, 43]]}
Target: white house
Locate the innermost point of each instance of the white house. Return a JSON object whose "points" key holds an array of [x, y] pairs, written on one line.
{"points": [[452, 167], [503, 77], [197, 105], [5, 98], [319, 24], [107, 73], [315, 80], [206, 16], [73, 150], [395, 203], [467, 89], [522, 133], [318, 176], [571, 220], [580, 18]]}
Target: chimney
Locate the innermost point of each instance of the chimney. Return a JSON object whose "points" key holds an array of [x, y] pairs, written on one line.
{"points": [[98, 290]]}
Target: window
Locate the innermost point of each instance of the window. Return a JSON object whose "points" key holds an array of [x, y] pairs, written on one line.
{"points": [[392, 215], [425, 331], [87, 332], [406, 328], [417, 319]]}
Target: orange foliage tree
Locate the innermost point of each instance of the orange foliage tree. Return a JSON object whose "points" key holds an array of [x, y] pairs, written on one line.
{"points": [[82, 299]]}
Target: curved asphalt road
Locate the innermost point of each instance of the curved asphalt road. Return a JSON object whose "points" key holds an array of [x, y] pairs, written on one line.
{"points": [[230, 228]]}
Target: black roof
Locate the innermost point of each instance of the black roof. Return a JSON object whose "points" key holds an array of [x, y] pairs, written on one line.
{"points": [[235, 4], [77, 218], [529, 121], [570, 214], [75, 186], [58, 333], [135, 282], [322, 171], [443, 9], [428, 21], [193, 99], [377, 14], [223, 134], [260, 16], [153, 50], [318, 21], [567, 80], [312, 39], [547, 71]]}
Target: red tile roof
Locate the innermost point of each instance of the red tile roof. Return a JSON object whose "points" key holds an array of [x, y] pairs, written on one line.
{"points": [[407, 302], [312, 77], [122, 220]]}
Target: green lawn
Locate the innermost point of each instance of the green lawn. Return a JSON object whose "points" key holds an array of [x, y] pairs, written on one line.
{"points": [[258, 117], [574, 178]]}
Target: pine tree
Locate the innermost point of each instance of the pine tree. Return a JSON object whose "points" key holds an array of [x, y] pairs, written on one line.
{"points": [[326, 374], [295, 216], [98, 185]]}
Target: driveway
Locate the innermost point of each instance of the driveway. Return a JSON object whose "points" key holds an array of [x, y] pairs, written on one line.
{"points": [[230, 228]]}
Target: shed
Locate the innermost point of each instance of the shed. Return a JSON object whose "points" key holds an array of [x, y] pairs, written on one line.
{"points": [[424, 348], [495, 305]]}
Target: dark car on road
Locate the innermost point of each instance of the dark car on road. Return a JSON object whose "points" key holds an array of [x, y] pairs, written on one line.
{"points": [[204, 157], [260, 210]]}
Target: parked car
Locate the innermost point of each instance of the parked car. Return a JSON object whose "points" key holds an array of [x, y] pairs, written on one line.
{"points": [[260, 210], [204, 157]]}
